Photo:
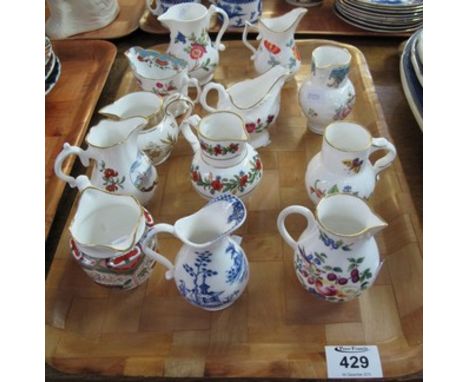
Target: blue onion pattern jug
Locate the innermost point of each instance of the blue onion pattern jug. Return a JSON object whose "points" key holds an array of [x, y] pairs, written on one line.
{"points": [[211, 270]]}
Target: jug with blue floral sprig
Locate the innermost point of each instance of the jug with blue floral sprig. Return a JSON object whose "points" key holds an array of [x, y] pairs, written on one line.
{"points": [[211, 269]]}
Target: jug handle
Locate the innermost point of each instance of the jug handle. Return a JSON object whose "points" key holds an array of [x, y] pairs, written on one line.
{"points": [[154, 11], [386, 161], [222, 94], [186, 128], [176, 97], [214, 9], [63, 155], [246, 41], [190, 82], [294, 210], [156, 256]]}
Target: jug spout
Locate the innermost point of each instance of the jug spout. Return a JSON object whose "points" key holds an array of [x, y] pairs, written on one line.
{"points": [[219, 218], [348, 216], [285, 23]]}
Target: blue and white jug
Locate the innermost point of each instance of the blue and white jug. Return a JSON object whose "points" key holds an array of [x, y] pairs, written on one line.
{"points": [[211, 270]]}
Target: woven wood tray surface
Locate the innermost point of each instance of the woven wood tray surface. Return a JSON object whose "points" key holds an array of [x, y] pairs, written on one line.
{"points": [[125, 23], [319, 20], [276, 328], [70, 105]]}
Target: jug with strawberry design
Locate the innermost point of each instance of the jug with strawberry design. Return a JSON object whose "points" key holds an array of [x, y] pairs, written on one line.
{"points": [[277, 45], [336, 258]]}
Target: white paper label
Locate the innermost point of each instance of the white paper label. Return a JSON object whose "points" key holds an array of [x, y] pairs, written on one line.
{"points": [[353, 362]]}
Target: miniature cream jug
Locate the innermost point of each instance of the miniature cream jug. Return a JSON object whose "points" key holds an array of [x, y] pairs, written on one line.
{"points": [[343, 164], [328, 94], [256, 100], [223, 160], [190, 41], [211, 270], [107, 233], [161, 132], [277, 45], [160, 73], [336, 258], [119, 165]]}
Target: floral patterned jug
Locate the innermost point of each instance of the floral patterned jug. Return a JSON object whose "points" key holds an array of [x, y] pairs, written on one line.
{"points": [[107, 233], [277, 45], [328, 94], [119, 165], [190, 41], [336, 258], [211, 270], [343, 165], [223, 160]]}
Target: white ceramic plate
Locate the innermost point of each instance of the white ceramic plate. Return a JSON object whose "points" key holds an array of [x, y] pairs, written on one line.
{"points": [[393, 3], [411, 86]]}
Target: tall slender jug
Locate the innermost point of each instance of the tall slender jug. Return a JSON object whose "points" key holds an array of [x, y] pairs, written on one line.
{"points": [[190, 41], [277, 45]]}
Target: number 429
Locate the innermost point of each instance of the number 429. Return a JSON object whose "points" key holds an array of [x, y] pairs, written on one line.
{"points": [[355, 362]]}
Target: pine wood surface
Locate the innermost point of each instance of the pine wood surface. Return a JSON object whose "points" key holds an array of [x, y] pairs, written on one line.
{"points": [[125, 23], [70, 105], [319, 20], [276, 329]]}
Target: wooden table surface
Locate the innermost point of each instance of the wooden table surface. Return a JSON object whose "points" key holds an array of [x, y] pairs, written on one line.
{"points": [[382, 56]]}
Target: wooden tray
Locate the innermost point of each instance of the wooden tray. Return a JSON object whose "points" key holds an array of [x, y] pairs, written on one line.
{"points": [[276, 329], [126, 22], [70, 105], [319, 20]]}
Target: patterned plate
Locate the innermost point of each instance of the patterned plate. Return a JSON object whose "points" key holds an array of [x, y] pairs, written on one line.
{"points": [[356, 4], [375, 27], [392, 3], [411, 86], [54, 76], [417, 64]]}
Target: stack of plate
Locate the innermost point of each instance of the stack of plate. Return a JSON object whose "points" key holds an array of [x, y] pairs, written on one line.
{"points": [[52, 67], [411, 72], [395, 16]]}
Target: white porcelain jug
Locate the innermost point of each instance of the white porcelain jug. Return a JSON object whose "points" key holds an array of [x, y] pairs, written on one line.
{"points": [[277, 45], [256, 100], [70, 17], [210, 270], [328, 94], [107, 233], [190, 41], [336, 258], [343, 164], [119, 165], [223, 160], [161, 132]]}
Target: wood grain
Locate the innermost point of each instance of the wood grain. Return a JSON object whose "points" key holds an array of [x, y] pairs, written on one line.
{"points": [[125, 23], [275, 329], [319, 20], [70, 105]]}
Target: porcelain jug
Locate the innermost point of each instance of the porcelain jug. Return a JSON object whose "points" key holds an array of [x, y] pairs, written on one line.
{"points": [[161, 132], [336, 258], [159, 73], [277, 45], [190, 41], [107, 232], [328, 94], [70, 17], [343, 164], [240, 11], [210, 270], [119, 165], [256, 100], [223, 160], [158, 7]]}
